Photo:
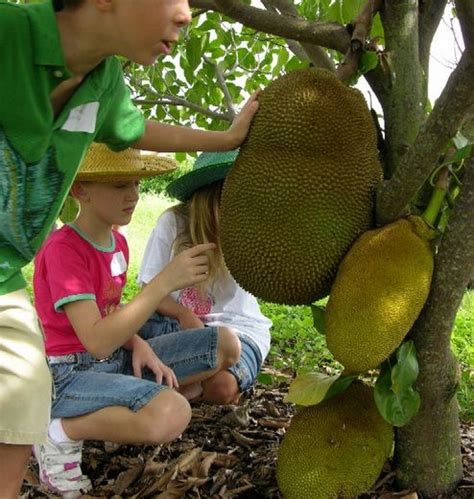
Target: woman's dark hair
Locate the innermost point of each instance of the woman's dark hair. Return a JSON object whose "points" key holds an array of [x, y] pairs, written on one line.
{"points": [[62, 4]]}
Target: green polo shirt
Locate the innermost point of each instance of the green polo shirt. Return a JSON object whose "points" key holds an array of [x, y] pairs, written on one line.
{"points": [[40, 153]]}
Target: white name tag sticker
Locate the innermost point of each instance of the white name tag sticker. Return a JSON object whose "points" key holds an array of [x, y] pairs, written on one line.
{"points": [[118, 265], [82, 118]]}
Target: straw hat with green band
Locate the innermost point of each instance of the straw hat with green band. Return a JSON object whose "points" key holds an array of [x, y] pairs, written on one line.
{"points": [[101, 164], [208, 168]]}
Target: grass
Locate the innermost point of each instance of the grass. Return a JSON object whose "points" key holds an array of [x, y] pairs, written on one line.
{"points": [[296, 345], [149, 208], [462, 344]]}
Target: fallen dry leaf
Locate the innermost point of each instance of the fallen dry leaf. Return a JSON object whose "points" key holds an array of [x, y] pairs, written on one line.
{"points": [[212, 460]]}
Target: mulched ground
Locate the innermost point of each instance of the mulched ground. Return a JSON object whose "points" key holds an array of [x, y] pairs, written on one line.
{"points": [[226, 452]]}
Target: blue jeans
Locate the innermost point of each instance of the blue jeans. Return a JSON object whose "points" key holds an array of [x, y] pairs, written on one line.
{"points": [[245, 371], [87, 385]]}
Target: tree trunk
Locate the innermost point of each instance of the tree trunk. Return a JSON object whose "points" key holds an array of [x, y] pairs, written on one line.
{"points": [[428, 450]]}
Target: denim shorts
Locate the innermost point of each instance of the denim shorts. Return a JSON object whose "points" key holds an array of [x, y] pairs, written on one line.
{"points": [[245, 371], [86, 385]]}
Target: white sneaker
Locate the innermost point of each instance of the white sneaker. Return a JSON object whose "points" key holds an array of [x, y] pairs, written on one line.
{"points": [[60, 468]]}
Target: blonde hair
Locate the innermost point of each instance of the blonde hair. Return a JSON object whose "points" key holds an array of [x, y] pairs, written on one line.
{"points": [[201, 225]]}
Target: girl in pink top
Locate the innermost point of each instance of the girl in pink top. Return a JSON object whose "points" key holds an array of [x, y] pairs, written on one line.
{"points": [[111, 384]]}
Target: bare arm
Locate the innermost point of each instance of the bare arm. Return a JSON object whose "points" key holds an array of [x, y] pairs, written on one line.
{"points": [[186, 317], [103, 335], [144, 356], [170, 138]]}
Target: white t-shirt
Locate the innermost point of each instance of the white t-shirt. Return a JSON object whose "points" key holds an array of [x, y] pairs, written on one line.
{"points": [[229, 304]]}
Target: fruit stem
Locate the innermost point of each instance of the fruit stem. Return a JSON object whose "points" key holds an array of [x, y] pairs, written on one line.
{"points": [[439, 193]]}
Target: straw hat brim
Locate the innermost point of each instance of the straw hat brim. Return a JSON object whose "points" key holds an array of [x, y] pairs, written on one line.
{"points": [[160, 166], [103, 165], [184, 187]]}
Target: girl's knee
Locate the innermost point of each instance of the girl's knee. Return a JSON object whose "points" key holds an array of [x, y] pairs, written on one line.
{"points": [[228, 348], [221, 389], [166, 416]]}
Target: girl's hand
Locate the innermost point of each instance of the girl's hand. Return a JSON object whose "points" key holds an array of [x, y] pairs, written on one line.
{"points": [[144, 356], [189, 320], [190, 267], [241, 124]]}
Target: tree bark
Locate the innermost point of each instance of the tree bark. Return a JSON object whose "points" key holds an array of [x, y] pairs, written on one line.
{"points": [[428, 455], [329, 35], [403, 109], [448, 115]]}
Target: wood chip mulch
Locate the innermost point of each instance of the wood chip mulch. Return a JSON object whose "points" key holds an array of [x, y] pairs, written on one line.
{"points": [[226, 452]]}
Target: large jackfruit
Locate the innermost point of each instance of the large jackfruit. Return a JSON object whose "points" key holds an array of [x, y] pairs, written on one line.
{"points": [[335, 449], [301, 190], [380, 289]]}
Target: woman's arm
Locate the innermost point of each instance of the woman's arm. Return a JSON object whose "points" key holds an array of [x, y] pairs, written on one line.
{"points": [[186, 317]]}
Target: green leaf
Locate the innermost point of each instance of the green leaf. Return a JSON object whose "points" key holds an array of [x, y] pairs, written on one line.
{"points": [[394, 395], [405, 371], [188, 73], [229, 61], [264, 378], [463, 153], [369, 60], [309, 9], [460, 141], [208, 25], [318, 318], [312, 388], [70, 210], [344, 11], [194, 51], [180, 156], [339, 386], [170, 77]]}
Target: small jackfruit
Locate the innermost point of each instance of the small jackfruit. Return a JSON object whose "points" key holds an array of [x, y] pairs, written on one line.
{"points": [[336, 449], [301, 190], [380, 289]]}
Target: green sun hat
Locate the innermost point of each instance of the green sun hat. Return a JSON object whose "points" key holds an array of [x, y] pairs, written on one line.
{"points": [[209, 167]]}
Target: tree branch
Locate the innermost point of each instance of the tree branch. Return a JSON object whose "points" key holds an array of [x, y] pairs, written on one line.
{"points": [[223, 86], [362, 25], [465, 11], [429, 17], [171, 100], [404, 106], [295, 47], [329, 35], [420, 448], [304, 51], [449, 113], [454, 262], [379, 82]]}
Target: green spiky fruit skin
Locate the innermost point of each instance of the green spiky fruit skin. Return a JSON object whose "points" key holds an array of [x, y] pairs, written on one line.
{"points": [[335, 449], [301, 190], [380, 289]]}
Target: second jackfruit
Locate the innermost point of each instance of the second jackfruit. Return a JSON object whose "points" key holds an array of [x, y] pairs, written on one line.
{"points": [[380, 288]]}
